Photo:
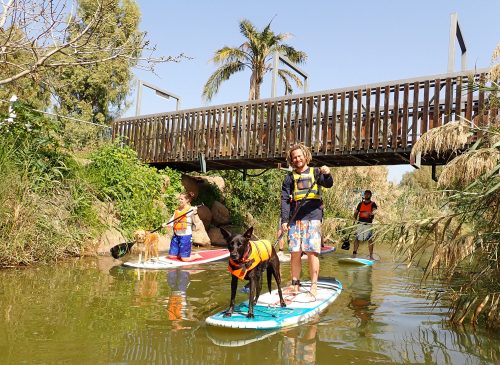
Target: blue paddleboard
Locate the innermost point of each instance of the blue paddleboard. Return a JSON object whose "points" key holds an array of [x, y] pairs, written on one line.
{"points": [[301, 307], [355, 261]]}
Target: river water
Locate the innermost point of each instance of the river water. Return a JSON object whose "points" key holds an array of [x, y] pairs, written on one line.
{"points": [[91, 311]]}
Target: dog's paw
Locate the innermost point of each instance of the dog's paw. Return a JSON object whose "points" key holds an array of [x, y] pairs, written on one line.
{"points": [[227, 314], [283, 304], [250, 316]]}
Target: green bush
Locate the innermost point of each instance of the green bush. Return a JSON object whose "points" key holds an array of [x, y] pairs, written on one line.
{"points": [[137, 190]]}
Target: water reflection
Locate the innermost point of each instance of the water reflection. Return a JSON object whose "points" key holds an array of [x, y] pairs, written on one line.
{"points": [[359, 280], [89, 312], [299, 345]]}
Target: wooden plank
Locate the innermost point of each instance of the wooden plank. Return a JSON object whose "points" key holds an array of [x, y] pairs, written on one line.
{"points": [[208, 133], [270, 130], [479, 120], [224, 136], [342, 122], [238, 130], [262, 133], [349, 121], [458, 99], [425, 109], [447, 101], [282, 129], [288, 128], [296, 123], [334, 123], [395, 119], [436, 120], [180, 138], [404, 126], [303, 122], [414, 125], [255, 136], [310, 122], [470, 93], [359, 119], [368, 120], [376, 122], [385, 126], [325, 122], [166, 146], [317, 124], [248, 137]]}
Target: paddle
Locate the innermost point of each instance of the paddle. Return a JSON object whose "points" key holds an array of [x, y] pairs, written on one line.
{"points": [[123, 248]]}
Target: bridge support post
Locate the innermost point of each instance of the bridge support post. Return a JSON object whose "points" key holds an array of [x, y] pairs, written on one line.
{"points": [[244, 174], [416, 161], [203, 163]]}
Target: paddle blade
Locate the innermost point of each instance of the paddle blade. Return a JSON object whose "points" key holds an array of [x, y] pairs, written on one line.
{"points": [[121, 250]]}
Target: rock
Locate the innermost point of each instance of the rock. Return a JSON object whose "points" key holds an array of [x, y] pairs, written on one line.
{"points": [[108, 239], [220, 214], [205, 215], [216, 237], [200, 236], [190, 185], [215, 180]]}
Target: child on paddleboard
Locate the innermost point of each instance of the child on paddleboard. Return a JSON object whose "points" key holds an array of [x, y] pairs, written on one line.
{"points": [[182, 222]]}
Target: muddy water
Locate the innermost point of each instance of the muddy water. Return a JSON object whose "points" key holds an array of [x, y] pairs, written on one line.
{"points": [[93, 312]]}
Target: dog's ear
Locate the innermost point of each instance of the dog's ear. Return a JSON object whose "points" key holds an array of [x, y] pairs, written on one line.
{"points": [[225, 234], [248, 233]]}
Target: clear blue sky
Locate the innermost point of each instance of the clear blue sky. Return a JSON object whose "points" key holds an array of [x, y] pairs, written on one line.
{"points": [[347, 43]]}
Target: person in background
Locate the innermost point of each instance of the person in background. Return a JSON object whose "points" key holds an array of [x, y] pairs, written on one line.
{"points": [[363, 215]]}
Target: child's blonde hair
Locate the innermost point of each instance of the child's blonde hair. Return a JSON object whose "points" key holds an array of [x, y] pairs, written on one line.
{"points": [[305, 151]]}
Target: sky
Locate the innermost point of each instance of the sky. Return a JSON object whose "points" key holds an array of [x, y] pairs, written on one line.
{"points": [[348, 43]]}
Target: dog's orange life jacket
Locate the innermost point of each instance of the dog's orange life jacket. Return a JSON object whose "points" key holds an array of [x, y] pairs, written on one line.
{"points": [[365, 209], [260, 251], [182, 223]]}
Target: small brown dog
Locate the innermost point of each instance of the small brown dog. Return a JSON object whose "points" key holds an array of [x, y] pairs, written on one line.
{"points": [[147, 243]]}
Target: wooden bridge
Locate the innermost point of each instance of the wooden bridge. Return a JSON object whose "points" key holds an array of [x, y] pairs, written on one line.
{"points": [[358, 126]]}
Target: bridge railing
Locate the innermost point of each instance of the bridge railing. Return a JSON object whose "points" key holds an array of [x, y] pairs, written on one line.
{"points": [[372, 118]]}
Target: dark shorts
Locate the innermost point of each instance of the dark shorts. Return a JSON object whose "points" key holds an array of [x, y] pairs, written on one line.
{"points": [[180, 246]]}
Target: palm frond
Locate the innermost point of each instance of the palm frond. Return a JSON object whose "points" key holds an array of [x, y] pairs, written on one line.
{"points": [[229, 54], [292, 54], [223, 73], [285, 75]]}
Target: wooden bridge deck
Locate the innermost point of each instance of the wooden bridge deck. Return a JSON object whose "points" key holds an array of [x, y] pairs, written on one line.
{"points": [[365, 125]]}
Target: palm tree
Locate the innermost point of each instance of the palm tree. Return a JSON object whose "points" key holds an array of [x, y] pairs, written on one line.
{"points": [[256, 54]]}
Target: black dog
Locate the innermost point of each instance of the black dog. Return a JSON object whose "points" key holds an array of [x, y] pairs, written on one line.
{"points": [[247, 261]]}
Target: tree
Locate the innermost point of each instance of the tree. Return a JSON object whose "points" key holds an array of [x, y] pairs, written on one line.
{"points": [[255, 54], [56, 34], [98, 91]]}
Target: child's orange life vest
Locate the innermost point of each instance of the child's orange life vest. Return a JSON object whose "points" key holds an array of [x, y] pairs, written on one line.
{"points": [[260, 251], [181, 223]]}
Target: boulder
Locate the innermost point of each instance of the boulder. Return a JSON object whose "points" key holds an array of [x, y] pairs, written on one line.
{"points": [[215, 180], [220, 214], [205, 215], [216, 237], [190, 185], [200, 236]]}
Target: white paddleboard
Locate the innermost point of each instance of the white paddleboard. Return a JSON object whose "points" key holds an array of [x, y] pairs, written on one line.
{"points": [[163, 262], [285, 257], [355, 261], [301, 308]]}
